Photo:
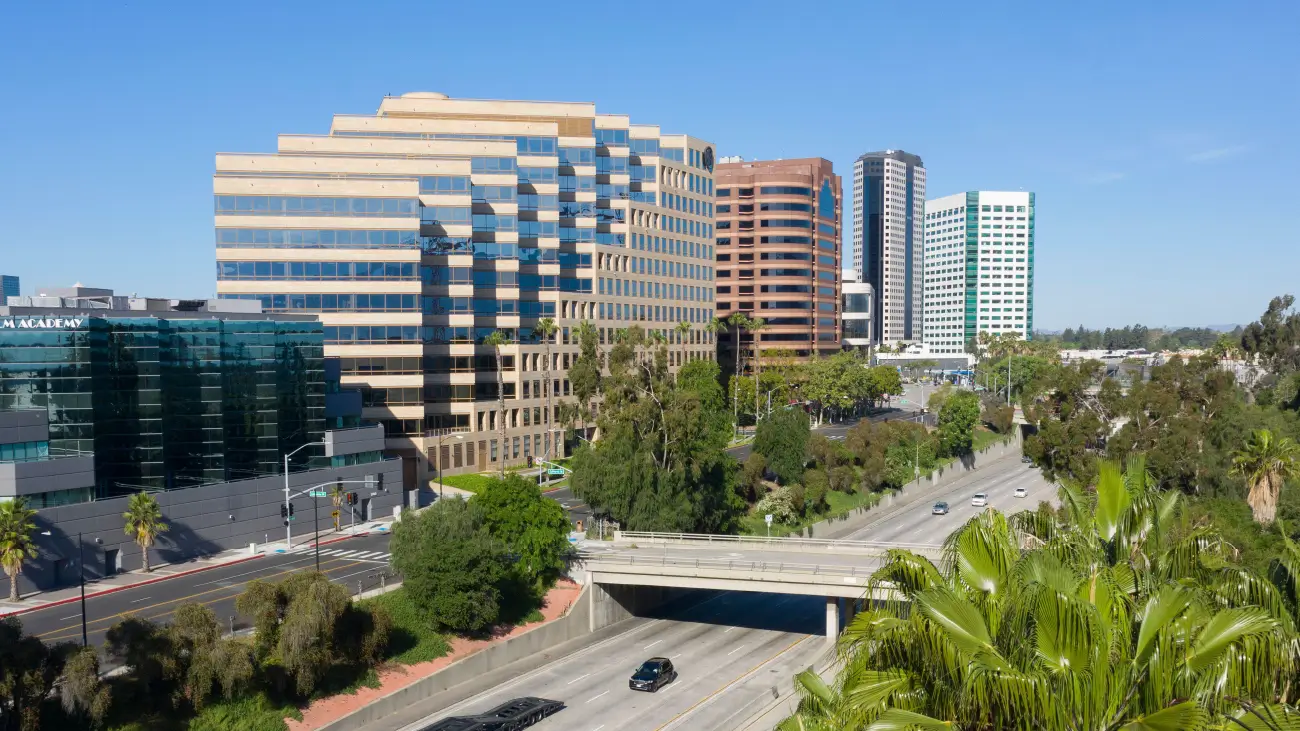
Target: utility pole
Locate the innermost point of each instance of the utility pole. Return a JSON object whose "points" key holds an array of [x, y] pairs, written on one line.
{"points": [[1009, 357]]}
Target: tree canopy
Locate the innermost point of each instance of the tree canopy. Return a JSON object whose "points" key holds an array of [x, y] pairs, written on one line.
{"points": [[782, 439], [660, 463]]}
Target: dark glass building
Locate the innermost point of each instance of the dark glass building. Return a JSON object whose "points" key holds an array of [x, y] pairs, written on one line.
{"points": [[167, 394]]}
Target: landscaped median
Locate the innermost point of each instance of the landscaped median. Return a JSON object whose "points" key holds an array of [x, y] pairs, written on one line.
{"points": [[426, 655]]}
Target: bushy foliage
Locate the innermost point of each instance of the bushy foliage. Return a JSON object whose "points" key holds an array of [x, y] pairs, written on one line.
{"points": [[660, 463], [782, 439], [780, 504], [451, 565]]}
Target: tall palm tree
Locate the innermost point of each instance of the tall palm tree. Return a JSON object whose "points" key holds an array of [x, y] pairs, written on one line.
{"points": [[16, 544], [144, 523], [683, 330], [1113, 613], [496, 341], [737, 322], [754, 326], [546, 329], [1266, 462]]}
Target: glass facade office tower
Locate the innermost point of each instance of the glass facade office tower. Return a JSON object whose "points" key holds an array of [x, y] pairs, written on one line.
{"points": [[979, 267], [170, 400], [778, 252], [888, 240], [416, 232], [8, 287]]}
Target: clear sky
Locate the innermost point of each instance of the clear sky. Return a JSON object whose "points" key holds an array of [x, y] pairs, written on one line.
{"points": [[1160, 137]]}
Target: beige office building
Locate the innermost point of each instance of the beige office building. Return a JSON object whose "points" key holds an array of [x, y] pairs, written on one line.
{"points": [[416, 232]]}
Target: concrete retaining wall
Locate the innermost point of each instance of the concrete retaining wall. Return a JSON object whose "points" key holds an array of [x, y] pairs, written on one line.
{"points": [[860, 517], [595, 608], [572, 625]]}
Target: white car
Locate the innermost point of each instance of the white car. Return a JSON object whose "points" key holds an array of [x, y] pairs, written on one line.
{"points": [[1022, 492], [980, 500]]}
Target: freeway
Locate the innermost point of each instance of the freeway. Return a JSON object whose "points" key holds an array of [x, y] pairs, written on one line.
{"points": [[356, 560], [914, 523], [730, 650]]}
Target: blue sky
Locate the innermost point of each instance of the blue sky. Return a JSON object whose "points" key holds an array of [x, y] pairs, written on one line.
{"points": [[1159, 137]]}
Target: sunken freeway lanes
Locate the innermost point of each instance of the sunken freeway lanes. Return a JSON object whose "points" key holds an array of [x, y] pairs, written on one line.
{"points": [[729, 651], [361, 558]]}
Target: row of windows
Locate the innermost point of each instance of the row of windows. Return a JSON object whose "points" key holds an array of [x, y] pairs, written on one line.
{"points": [[577, 156], [651, 313], [436, 335], [23, 451], [444, 184], [538, 176], [274, 205], [334, 302], [445, 215], [676, 247], [318, 270], [315, 238], [766, 190], [652, 290], [493, 165]]}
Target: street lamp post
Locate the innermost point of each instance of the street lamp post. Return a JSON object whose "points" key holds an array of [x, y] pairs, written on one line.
{"points": [[81, 575], [288, 524]]}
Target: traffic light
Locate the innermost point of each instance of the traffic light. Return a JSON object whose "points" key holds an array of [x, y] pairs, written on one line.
{"points": [[530, 461], [379, 485], [352, 498], [291, 510], [284, 513]]}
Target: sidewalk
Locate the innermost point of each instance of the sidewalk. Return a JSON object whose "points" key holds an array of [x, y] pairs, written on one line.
{"points": [[161, 572]]}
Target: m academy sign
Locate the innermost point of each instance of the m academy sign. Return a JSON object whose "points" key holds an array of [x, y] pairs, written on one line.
{"points": [[41, 323]]}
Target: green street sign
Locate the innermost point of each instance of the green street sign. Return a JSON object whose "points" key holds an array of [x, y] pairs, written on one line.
{"points": [[316, 493], [555, 471]]}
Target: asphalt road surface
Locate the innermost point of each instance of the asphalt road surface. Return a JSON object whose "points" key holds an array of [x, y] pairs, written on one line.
{"points": [[358, 559], [914, 523], [730, 651]]}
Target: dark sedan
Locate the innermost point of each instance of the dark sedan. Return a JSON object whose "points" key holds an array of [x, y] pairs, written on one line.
{"points": [[653, 674]]}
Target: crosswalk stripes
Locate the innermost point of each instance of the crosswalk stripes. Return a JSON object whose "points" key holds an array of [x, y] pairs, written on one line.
{"points": [[344, 553]]}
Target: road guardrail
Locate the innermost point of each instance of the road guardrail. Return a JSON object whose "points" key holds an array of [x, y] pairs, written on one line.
{"points": [[707, 540]]}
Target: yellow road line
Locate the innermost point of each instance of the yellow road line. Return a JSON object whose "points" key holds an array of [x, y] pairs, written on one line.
{"points": [[75, 629], [719, 691]]}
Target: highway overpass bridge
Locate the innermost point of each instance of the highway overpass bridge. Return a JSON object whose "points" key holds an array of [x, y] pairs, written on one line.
{"points": [[639, 570]]}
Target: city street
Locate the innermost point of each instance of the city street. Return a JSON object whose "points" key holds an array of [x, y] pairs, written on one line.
{"points": [[352, 562]]}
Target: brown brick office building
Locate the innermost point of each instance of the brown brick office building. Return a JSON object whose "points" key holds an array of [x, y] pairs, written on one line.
{"points": [[778, 253]]}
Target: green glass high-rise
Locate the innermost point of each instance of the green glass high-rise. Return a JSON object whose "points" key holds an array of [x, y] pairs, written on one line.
{"points": [[172, 400]]}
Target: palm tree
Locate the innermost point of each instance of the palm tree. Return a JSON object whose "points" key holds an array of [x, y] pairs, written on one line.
{"points": [[683, 329], [755, 325], [16, 544], [546, 328], [1266, 462], [1113, 613], [737, 322], [497, 340], [143, 523]]}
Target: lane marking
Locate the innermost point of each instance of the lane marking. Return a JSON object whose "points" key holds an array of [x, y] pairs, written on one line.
{"points": [[728, 630], [652, 644], [137, 601], [74, 630], [598, 696], [724, 688], [580, 677], [738, 649], [598, 728], [546, 667], [75, 616]]}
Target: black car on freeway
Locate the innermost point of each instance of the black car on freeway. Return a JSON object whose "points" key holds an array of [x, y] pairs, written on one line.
{"points": [[653, 674], [514, 715]]}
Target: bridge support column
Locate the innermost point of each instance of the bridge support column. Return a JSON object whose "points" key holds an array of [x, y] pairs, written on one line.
{"points": [[832, 618]]}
